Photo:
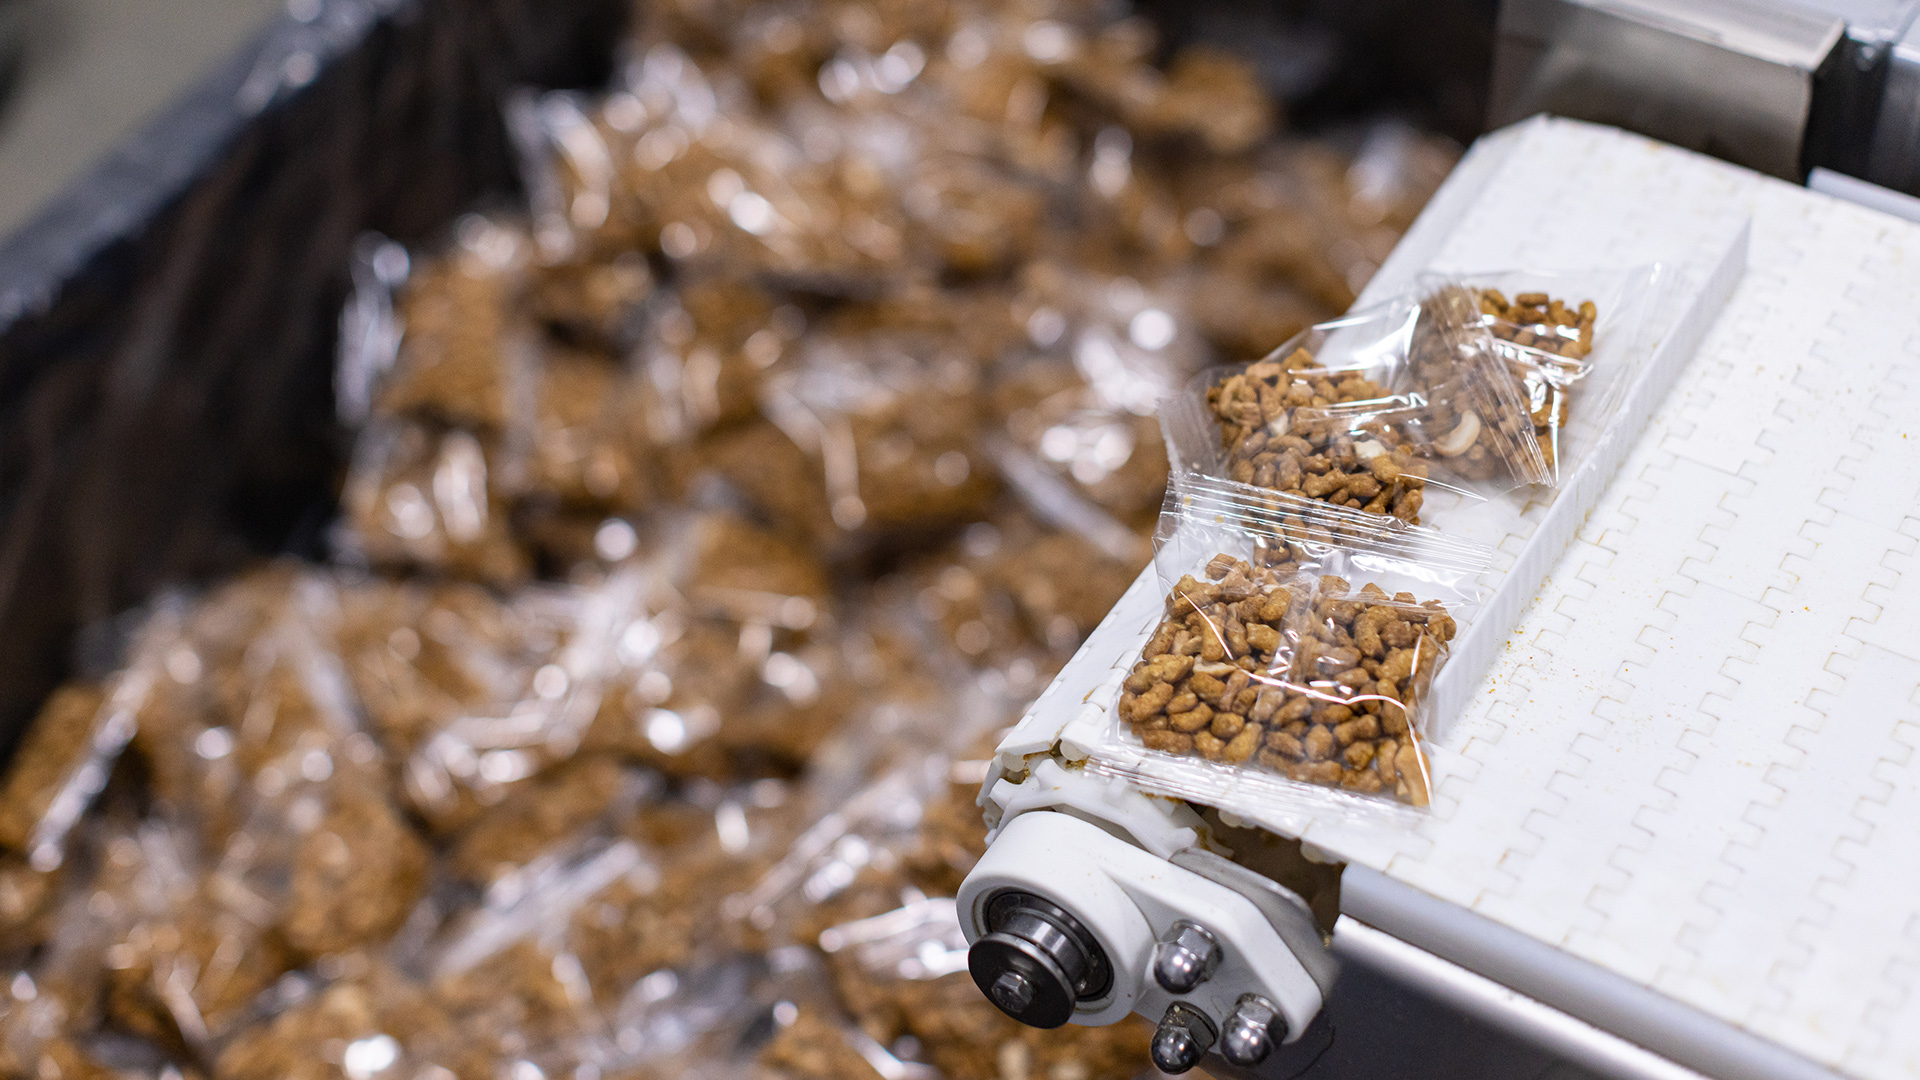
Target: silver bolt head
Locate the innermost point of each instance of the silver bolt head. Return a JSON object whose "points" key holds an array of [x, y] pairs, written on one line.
{"points": [[1175, 1050], [1182, 1039], [1185, 959], [1250, 1032]]}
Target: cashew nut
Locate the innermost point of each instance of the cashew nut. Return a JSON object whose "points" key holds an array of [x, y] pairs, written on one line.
{"points": [[1461, 438]]}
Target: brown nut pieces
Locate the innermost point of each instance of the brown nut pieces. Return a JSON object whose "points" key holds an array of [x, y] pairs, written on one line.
{"points": [[1540, 324], [1306, 678], [1292, 427], [1552, 343], [1477, 425]]}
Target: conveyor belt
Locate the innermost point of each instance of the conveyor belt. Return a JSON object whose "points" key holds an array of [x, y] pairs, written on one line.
{"points": [[1692, 765]]}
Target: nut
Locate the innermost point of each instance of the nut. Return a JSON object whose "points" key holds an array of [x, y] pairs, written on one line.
{"points": [[1461, 438], [1326, 688]]}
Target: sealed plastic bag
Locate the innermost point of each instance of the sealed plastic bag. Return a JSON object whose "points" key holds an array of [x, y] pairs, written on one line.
{"points": [[911, 830], [1477, 426], [1565, 335], [730, 662], [418, 495], [524, 703], [869, 435], [372, 1019], [1328, 416], [698, 846], [1275, 686], [193, 951], [455, 360], [1375, 411], [60, 766]]}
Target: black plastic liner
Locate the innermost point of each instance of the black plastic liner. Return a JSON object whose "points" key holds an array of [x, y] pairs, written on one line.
{"points": [[167, 325]]}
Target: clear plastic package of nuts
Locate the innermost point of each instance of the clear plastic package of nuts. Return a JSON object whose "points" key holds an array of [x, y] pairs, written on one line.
{"points": [[1572, 341], [1289, 670], [1475, 426], [1331, 415], [419, 495], [867, 435]]}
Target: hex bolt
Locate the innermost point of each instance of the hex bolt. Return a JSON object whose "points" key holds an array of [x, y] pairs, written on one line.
{"points": [[1182, 1038], [1012, 992], [1252, 1031], [1185, 958]]}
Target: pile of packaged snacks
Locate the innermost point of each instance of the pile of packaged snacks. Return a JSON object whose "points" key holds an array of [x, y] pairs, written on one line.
{"points": [[700, 528]]}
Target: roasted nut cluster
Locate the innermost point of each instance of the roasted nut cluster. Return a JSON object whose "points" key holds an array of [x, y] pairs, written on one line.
{"points": [[1327, 434], [1310, 679]]}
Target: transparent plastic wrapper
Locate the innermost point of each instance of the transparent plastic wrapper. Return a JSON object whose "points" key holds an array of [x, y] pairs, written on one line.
{"points": [[1011, 596], [1479, 422], [1287, 676], [55, 992], [27, 903], [317, 852], [700, 845], [731, 663], [241, 675], [189, 952], [507, 971], [1328, 416], [456, 359], [1344, 414], [764, 1016], [1566, 336], [552, 807], [704, 356], [1073, 456], [1297, 228], [342, 865], [656, 167], [883, 829], [594, 304], [369, 1019], [419, 654], [573, 440], [1074, 403], [255, 750], [869, 435], [420, 496], [907, 185], [486, 695], [63, 763], [835, 196]]}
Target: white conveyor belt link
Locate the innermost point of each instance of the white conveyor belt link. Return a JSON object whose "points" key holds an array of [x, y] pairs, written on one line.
{"points": [[1691, 765]]}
